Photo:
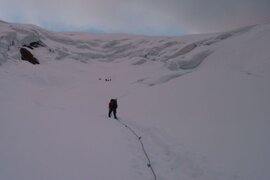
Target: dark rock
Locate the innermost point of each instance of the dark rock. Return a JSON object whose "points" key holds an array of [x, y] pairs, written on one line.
{"points": [[28, 56], [36, 44]]}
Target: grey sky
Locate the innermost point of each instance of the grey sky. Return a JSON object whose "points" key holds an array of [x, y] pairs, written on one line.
{"points": [[137, 16]]}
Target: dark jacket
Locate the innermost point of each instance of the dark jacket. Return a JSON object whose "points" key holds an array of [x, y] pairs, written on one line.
{"points": [[113, 104]]}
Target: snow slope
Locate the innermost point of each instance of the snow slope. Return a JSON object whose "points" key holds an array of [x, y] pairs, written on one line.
{"points": [[200, 104]]}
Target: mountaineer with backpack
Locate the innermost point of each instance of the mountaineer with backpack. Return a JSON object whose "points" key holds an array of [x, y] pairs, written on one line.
{"points": [[112, 108]]}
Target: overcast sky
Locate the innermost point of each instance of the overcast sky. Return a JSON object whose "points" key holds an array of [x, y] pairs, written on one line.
{"points": [[151, 17]]}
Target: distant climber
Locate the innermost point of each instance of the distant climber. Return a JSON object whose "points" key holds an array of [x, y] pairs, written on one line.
{"points": [[112, 108]]}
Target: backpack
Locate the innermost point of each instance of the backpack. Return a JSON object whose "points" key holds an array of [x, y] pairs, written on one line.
{"points": [[113, 104]]}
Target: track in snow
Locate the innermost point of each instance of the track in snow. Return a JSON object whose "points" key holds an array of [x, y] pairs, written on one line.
{"points": [[139, 138]]}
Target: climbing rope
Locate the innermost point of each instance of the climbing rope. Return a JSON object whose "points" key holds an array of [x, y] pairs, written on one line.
{"points": [[149, 165]]}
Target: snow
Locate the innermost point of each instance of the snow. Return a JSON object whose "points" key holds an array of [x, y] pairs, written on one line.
{"points": [[200, 104]]}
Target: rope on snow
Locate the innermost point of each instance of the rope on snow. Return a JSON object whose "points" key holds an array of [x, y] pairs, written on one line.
{"points": [[142, 145]]}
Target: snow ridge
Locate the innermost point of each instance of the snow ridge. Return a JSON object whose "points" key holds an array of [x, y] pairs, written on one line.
{"points": [[177, 54]]}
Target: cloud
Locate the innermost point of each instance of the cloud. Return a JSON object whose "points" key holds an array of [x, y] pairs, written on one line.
{"points": [[139, 17], [219, 15]]}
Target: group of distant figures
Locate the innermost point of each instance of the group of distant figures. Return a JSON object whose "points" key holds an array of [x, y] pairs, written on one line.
{"points": [[106, 79]]}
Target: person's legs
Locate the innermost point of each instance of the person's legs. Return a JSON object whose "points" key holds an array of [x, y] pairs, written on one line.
{"points": [[110, 112], [114, 114]]}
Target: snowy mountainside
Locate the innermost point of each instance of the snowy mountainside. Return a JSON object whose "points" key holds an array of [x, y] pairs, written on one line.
{"points": [[178, 54], [199, 103]]}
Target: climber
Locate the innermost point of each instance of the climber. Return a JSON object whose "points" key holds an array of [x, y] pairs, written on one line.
{"points": [[112, 108]]}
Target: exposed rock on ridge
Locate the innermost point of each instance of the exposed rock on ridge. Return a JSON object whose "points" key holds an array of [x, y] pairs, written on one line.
{"points": [[28, 56]]}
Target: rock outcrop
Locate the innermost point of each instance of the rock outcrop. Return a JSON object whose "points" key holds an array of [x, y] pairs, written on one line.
{"points": [[28, 56]]}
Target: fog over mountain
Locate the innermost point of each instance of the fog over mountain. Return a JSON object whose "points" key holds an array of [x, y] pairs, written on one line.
{"points": [[151, 17]]}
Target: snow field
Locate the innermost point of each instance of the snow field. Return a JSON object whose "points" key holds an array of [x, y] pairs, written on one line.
{"points": [[205, 122]]}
